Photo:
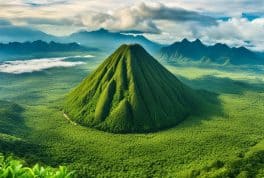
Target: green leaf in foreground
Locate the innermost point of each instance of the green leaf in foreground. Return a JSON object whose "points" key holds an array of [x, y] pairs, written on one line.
{"points": [[12, 168]]}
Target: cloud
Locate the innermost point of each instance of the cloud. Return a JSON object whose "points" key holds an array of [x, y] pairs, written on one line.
{"points": [[218, 8], [162, 12], [142, 17], [235, 31], [40, 3], [33, 65], [50, 21], [137, 17], [236, 23]]}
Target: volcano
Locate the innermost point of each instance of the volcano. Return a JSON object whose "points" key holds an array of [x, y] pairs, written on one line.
{"points": [[130, 92]]}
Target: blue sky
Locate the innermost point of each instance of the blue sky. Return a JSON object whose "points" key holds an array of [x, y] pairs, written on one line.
{"points": [[237, 22]]}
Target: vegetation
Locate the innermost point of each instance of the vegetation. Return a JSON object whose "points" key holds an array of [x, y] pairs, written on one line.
{"points": [[204, 143], [10, 116], [250, 164], [131, 92], [10, 167], [11, 123], [218, 53]]}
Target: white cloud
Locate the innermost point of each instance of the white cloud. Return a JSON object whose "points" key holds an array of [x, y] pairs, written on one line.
{"points": [[162, 20], [220, 7], [139, 16], [33, 65], [236, 32]]}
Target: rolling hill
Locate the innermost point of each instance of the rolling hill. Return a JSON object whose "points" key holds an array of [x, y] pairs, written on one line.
{"points": [[130, 92], [218, 53]]}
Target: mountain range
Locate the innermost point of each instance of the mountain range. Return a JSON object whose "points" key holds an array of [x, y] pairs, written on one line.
{"points": [[22, 34], [186, 50], [107, 41], [102, 39], [39, 48]]}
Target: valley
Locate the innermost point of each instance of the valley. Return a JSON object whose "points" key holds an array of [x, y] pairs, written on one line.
{"points": [[202, 145], [132, 89]]}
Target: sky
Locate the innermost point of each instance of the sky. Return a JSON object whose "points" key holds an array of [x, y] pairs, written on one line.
{"points": [[236, 22]]}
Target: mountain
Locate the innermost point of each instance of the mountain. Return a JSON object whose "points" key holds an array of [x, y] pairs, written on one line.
{"points": [[108, 41], [219, 53], [12, 33], [130, 92], [39, 46], [101, 38]]}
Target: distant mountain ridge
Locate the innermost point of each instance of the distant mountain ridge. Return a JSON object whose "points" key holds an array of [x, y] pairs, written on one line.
{"points": [[108, 40], [22, 34], [103, 39], [218, 53], [39, 46]]}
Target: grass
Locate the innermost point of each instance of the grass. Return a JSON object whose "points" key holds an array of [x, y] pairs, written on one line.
{"points": [[200, 146]]}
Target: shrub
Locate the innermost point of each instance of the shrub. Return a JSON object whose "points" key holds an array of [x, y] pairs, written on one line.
{"points": [[10, 167]]}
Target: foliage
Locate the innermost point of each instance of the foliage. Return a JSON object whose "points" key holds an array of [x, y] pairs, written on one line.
{"points": [[10, 167], [205, 143], [131, 92], [250, 164]]}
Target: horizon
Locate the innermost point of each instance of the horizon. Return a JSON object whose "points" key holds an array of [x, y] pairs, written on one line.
{"points": [[131, 88], [240, 23], [164, 45]]}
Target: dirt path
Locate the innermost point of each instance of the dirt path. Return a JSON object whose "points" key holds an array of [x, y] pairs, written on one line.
{"points": [[67, 117]]}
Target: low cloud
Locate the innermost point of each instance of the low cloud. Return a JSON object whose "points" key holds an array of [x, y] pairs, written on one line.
{"points": [[236, 32], [34, 65]]}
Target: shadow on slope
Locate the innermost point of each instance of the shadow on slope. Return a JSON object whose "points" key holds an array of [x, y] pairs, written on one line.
{"points": [[11, 120], [12, 129], [222, 85]]}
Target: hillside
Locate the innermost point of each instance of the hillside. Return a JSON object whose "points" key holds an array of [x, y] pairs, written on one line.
{"points": [[9, 117], [130, 92], [218, 53]]}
